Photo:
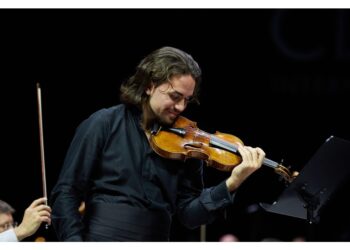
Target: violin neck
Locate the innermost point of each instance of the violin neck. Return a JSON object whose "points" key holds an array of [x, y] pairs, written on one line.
{"points": [[270, 163], [220, 143]]}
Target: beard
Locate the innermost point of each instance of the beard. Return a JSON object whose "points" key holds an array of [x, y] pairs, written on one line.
{"points": [[150, 117], [166, 120], [168, 117]]}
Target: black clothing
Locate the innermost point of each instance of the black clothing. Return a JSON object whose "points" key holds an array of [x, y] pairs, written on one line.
{"points": [[110, 162], [117, 222]]}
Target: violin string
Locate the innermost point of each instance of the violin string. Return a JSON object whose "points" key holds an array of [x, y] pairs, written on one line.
{"points": [[231, 147]]}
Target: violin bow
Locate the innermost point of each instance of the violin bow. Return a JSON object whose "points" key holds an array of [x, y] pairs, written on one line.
{"points": [[41, 136]]}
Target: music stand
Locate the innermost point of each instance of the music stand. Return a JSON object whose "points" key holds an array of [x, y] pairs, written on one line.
{"points": [[312, 188]]}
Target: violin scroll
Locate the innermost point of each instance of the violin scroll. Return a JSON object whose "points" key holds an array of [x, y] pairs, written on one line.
{"points": [[285, 173]]}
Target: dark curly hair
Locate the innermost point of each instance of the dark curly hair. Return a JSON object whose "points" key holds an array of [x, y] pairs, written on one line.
{"points": [[157, 68]]}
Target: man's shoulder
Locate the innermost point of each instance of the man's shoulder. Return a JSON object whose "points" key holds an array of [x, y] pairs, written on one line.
{"points": [[109, 112], [112, 116]]}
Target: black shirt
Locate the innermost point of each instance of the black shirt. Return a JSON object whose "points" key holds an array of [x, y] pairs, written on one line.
{"points": [[111, 162]]}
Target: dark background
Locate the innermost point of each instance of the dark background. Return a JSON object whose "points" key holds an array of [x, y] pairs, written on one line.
{"points": [[277, 79]]}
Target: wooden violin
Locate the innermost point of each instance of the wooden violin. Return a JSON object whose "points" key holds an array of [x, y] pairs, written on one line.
{"points": [[185, 140]]}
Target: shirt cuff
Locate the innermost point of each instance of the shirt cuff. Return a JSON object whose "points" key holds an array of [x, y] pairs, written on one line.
{"points": [[220, 194]]}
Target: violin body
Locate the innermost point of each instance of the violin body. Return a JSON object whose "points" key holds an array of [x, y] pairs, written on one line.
{"points": [[195, 144]]}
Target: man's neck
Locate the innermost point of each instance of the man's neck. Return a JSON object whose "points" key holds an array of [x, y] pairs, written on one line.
{"points": [[148, 117]]}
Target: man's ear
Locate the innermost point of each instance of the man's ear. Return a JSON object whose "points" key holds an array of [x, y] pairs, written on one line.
{"points": [[150, 89]]}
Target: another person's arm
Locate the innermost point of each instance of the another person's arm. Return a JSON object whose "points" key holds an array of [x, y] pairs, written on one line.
{"points": [[34, 215]]}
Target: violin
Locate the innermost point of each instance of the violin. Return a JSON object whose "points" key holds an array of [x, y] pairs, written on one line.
{"points": [[185, 140]]}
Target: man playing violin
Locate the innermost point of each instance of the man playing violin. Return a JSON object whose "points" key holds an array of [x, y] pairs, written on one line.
{"points": [[130, 192]]}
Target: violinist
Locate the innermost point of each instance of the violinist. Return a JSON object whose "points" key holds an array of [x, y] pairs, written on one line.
{"points": [[130, 191]]}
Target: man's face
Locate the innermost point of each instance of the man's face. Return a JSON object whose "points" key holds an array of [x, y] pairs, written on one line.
{"points": [[170, 99], [6, 221]]}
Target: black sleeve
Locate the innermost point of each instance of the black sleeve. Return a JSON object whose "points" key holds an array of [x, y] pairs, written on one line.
{"points": [[82, 156], [198, 206]]}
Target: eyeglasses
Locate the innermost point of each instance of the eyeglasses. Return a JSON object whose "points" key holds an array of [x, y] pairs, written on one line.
{"points": [[7, 226], [177, 97]]}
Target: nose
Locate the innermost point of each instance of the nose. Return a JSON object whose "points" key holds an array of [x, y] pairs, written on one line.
{"points": [[181, 105]]}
